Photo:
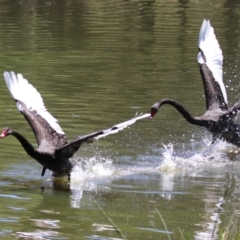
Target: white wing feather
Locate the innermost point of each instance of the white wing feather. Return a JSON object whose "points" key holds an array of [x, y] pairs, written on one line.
{"points": [[121, 126], [208, 43], [22, 91]]}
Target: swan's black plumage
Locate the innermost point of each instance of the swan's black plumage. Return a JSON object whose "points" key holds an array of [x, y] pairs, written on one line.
{"points": [[53, 150], [218, 118]]}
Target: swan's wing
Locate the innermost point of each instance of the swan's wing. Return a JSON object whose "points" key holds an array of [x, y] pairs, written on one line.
{"points": [[69, 149], [210, 61], [30, 103]]}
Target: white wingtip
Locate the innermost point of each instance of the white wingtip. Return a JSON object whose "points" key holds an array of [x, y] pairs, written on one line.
{"points": [[24, 92], [121, 126], [209, 45]]}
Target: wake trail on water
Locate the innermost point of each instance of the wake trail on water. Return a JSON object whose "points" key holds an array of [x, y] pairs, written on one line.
{"points": [[169, 158], [175, 158]]}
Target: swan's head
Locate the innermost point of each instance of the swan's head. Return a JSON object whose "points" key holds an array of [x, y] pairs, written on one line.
{"points": [[153, 111], [5, 132]]}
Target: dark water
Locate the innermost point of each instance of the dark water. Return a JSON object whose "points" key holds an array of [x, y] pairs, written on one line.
{"points": [[97, 63]]}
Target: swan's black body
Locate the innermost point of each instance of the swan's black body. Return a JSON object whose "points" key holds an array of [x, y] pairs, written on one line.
{"points": [[218, 118]]}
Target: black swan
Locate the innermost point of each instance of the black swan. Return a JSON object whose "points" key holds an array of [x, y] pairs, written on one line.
{"points": [[218, 118], [53, 150]]}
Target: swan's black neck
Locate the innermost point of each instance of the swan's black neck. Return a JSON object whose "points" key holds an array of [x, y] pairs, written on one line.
{"points": [[26, 144], [60, 166], [182, 110]]}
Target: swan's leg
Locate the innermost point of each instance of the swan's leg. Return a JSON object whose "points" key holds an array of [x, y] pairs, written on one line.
{"points": [[69, 177], [43, 171]]}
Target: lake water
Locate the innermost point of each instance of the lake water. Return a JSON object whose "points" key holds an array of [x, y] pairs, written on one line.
{"points": [[97, 63]]}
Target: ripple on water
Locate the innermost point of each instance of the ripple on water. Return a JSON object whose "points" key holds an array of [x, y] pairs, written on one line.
{"points": [[38, 234], [13, 196]]}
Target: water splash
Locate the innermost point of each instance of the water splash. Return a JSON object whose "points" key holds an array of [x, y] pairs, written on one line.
{"points": [[168, 164], [197, 156], [86, 176], [90, 168]]}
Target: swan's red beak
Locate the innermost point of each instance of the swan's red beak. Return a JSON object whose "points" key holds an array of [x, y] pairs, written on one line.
{"points": [[4, 133], [153, 112]]}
